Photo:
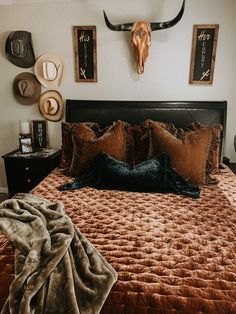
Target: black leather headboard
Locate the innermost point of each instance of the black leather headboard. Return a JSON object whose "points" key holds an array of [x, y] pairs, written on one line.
{"points": [[180, 113]]}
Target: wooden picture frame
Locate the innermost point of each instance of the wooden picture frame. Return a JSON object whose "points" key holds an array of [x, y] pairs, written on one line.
{"points": [[85, 53], [39, 130], [26, 144], [203, 54]]}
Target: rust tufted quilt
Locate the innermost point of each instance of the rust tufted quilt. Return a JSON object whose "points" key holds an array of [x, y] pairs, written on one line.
{"points": [[173, 254]]}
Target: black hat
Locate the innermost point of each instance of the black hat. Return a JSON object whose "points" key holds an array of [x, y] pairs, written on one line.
{"points": [[19, 49]]}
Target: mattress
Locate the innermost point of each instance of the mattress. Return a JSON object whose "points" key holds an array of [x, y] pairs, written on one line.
{"points": [[173, 254]]}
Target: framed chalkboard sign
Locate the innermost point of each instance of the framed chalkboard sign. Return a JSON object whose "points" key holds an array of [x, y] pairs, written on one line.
{"points": [[204, 43], [85, 52], [39, 130]]}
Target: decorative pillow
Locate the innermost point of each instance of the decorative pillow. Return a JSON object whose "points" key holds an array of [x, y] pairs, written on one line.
{"points": [[67, 144], [129, 140], [187, 155], [86, 145], [142, 139], [141, 143], [154, 175], [213, 160], [130, 145]]}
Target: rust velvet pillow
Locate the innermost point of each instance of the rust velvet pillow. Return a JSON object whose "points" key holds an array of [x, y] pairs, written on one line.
{"points": [[86, 145], [67, 144], [187, 155], [213, 160], [142, 139], [141, 143]]}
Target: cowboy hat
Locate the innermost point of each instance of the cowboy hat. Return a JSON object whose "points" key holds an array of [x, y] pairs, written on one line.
{"points": [[19, 49], [26, 88], [50, 105], [48, 70]]}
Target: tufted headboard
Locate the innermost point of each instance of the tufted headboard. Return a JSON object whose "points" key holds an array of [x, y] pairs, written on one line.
{"points": [[180, 113]]}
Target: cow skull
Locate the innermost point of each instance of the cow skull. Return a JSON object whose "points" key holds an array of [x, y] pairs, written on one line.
{"points": [[141, 35]]}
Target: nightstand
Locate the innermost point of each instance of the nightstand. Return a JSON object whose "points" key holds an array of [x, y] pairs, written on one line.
{"points": [[25, 171]]}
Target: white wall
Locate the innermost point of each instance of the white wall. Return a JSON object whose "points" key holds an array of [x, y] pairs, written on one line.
{"points": [[166, 71]]}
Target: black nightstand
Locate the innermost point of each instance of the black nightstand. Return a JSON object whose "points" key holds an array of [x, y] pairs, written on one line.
{"points": [[25, 171], [232, 166]]}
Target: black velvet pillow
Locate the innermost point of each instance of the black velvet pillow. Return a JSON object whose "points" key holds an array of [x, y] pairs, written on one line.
{"points": [[154, 175], [144, 177]]}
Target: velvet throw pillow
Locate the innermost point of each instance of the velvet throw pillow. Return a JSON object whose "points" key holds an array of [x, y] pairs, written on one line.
{"points": [[187, 155], [154, 175], [67, 144], [142, 139], [86, 145], [213, 160], [141, 143]]}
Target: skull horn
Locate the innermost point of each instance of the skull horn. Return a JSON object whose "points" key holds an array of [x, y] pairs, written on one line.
{"points": [[161, 25], [118, 27]]}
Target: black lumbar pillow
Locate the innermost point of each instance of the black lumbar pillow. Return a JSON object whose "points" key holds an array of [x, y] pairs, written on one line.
{"points": [[154, 175]]}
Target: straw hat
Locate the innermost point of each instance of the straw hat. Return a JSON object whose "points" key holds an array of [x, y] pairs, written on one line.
{"points": [[26, 88], [50, 105], [19, 49], [48, 70]]}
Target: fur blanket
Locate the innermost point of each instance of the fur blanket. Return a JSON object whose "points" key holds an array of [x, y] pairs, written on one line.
{"points": [[57, 269]]}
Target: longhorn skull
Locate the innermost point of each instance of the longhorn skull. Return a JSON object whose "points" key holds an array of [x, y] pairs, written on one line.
{"points": [[141, 35]]}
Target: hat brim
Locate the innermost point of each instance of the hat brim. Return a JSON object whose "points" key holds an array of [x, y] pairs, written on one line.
{"points": [[37, 88], [55, 95]]}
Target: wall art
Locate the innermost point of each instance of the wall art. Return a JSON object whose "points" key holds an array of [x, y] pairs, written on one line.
{"points": [[204, 43], [85, 53], [141, 34]]}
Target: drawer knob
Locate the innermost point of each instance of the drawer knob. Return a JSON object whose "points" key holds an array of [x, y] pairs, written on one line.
{"points": [[28, 180], [27, 168]]}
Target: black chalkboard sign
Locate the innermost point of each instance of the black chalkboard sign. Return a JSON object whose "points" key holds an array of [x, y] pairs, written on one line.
{"points": [[39, 129], [85, 53], [203, 54]]}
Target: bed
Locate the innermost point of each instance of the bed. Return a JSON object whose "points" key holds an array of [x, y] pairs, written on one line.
{"points": [[172, 253]]}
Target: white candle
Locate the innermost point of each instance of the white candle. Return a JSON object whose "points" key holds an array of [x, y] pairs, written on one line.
{"points": [[24, 127]]}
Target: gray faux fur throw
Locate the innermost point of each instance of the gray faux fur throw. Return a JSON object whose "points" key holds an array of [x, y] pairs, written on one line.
{"points": [[57, 269]]}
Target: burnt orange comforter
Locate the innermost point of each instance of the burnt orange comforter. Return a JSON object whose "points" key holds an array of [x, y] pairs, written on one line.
{"points": [[173, 254]]}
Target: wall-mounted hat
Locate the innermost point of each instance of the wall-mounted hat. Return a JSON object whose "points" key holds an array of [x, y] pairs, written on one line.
{"points": [[19, 49], [51, 106], [26, 88], [49, 69]]}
